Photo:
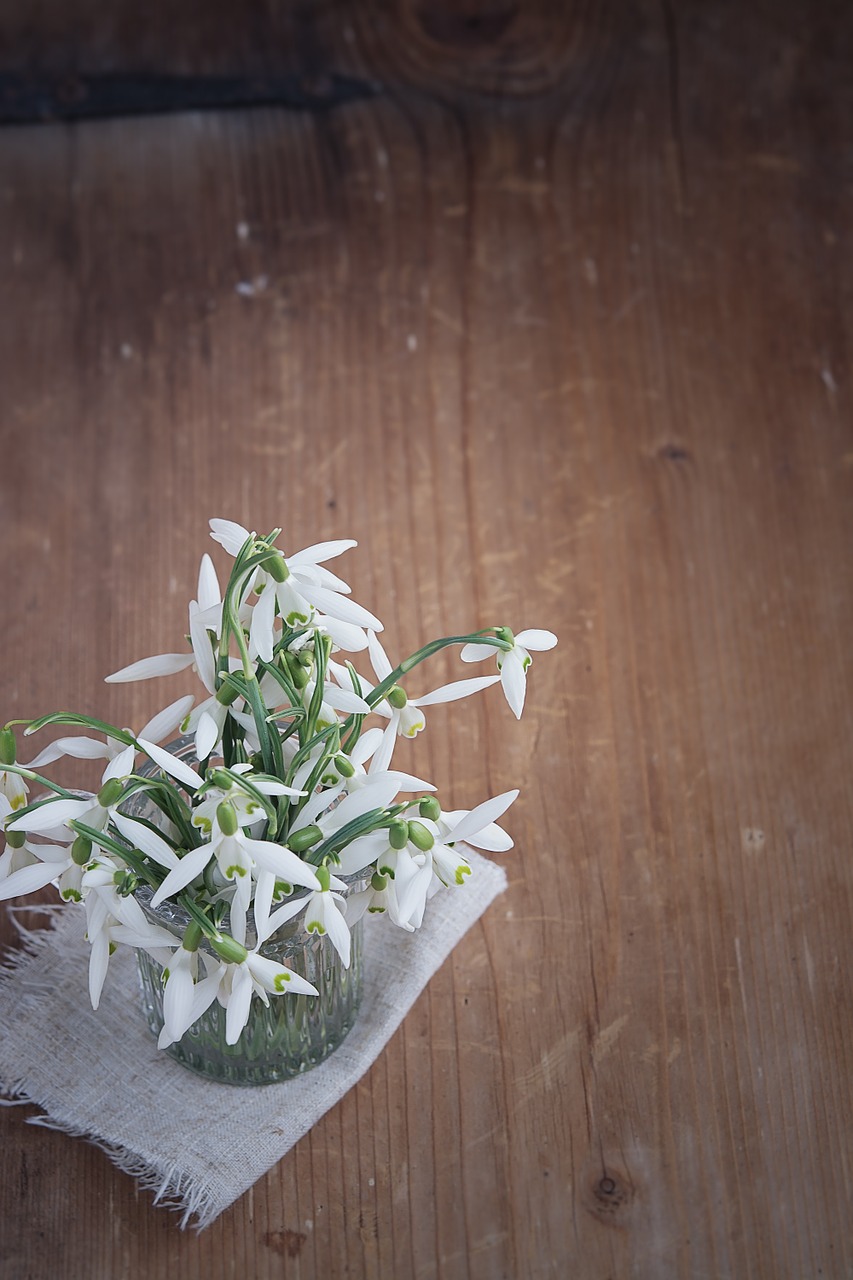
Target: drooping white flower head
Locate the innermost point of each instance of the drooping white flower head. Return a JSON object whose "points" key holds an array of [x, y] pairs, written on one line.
{"points": [[513, 664]]}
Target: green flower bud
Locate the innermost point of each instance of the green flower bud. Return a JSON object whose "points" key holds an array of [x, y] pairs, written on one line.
{"points": [[378, 881], [420, 836], [230, 950], [303, 839], [325, 878], [81, 851], [299, 675], [7, 746], [110, 792], [276, 567], [226, 816], [192, 936], [305, 658], [430, 808], [16, 839], [220, 779], [344, 766], [504, 633], [226, 694], [398, 834], [397, 697]]}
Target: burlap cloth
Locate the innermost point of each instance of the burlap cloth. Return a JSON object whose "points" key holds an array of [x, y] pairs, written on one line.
{"points": [[198, 1145]]}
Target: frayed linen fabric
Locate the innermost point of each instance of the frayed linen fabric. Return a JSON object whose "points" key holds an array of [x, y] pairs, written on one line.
{"points": [[197, 1144]]}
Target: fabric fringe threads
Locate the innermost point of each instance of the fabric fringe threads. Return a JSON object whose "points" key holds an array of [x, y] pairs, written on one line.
{"points": [[195, 1144]]}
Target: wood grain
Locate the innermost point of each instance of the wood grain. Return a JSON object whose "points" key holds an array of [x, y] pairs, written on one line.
{"points": [[557, 325]]}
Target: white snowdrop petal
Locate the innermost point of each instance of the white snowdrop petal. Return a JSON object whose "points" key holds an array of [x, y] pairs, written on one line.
{"points": [[321, 551], [162, 664], [204, 659], [206, 735], [338, 931], [146, 840], [378, 656], [366, 745], [373, 795], [229, 535], [453, 692], [514, 682], [477, 652], [486, 813], [538, 641], [168, 720], [283, 863], [121, 765], [261, 632], [209, 593], [338, 606], [345, 635], [492, 839], [239, 1001], [325, 578], [342, 700], [29, 879], [49, 816], [190, 866], [98, 963], [178, 1000], [171, 764], [81, 748]]}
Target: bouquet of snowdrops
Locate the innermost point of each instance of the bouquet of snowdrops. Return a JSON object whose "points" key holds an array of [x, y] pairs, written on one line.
{"points": [[290, 791]]}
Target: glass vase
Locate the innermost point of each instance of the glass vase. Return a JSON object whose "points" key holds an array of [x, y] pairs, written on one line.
{"points": [[280, 1040]]}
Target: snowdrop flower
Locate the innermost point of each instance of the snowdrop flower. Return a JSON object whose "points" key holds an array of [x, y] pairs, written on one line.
{"points": [[513, 663], [185, 996], [295, 587], [247, 973], [325, 913], [107, 912], [403, 713]]}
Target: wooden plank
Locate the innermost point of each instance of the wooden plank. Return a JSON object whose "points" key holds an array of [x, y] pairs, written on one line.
{"points": [[580, 360]]}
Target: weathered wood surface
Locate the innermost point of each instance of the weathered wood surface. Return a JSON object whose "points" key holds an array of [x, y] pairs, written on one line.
{"points": [[557, 324]]}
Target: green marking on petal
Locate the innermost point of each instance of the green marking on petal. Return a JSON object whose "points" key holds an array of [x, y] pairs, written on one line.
{"points": [[462, 871], [316, 927], [281, 980]]}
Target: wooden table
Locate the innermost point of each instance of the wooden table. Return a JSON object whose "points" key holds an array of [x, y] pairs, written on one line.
{"points": [[552, 313]]}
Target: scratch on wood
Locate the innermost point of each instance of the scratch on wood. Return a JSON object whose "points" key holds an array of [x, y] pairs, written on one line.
{"points": [[606, 1039], [544, 1075], [810, 969]]}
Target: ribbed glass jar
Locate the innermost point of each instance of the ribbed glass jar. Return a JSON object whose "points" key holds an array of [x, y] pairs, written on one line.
{"points": [[283, 1039]]}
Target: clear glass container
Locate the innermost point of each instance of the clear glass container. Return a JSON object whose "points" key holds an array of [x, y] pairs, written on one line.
{"points": [[292, 1033]]}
